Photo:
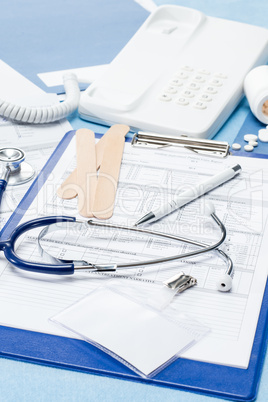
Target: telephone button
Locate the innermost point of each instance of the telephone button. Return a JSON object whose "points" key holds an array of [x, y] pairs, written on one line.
{"points": [[182, 101], [221, 75], [193, 86], [216, 82], [211, 90], [171, 90], [199, 78], [165, 97], [203, 71], [199, 105], [177, 82], [205, 98], [188, 94], [182, 75], [187, 68]]}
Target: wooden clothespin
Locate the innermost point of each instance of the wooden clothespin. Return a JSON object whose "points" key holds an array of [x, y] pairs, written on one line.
{"points": [[96, 192]]}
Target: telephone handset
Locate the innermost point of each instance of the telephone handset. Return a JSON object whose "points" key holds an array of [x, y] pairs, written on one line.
{"points": [[182, 73], [42, 114]]}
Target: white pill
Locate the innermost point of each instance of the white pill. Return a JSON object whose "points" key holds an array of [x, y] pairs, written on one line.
{"points": [[248, 148], [253, 143], [250, 137], [263, 135], [236, 146]]}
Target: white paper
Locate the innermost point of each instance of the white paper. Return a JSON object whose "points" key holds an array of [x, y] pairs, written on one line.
{"points": [[14, 85], [147, 178], [83, 74], [147, 4]]}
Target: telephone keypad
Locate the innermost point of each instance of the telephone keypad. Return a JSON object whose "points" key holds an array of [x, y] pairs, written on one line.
{"points": [[193, 88]]}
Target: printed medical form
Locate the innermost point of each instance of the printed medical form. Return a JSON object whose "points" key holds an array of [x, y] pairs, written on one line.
{"points": [[28, 300]]}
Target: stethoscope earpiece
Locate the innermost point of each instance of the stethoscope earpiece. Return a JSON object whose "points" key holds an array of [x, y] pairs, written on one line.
{"points": [[225, 283]]}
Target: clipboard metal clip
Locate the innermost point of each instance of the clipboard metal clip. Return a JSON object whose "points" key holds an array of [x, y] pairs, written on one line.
{"points": [[200, 146], [180, 282]]}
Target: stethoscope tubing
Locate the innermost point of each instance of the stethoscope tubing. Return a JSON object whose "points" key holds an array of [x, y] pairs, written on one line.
{"points": [[102, 267], [3, 182], [205, 248], [3, 185], [8, 247], [67, 267]]}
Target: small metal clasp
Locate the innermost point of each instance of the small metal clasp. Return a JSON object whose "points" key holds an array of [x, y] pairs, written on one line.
{"points": [[180, 282]]}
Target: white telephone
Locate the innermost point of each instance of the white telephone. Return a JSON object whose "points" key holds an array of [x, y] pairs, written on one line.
{"points": [[181, 74]]}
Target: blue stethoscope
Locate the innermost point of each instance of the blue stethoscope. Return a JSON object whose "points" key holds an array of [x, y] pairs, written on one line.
{"points": [[12, 156]]}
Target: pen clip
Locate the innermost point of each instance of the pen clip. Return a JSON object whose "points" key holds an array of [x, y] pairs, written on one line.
{"points": [[180, 282]]}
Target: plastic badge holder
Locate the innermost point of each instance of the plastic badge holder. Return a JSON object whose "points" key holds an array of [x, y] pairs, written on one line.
{"points": [[139, 336]]}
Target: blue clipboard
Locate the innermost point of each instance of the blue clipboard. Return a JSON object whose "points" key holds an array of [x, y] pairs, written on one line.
{"points": [[204, 378]]}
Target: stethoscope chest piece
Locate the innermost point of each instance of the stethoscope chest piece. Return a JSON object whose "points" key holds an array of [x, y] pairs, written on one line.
{"points": [[18, 171], [23, 175]]}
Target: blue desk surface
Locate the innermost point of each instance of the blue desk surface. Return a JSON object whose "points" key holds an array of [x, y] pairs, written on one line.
{"points": [[30, 382]]}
